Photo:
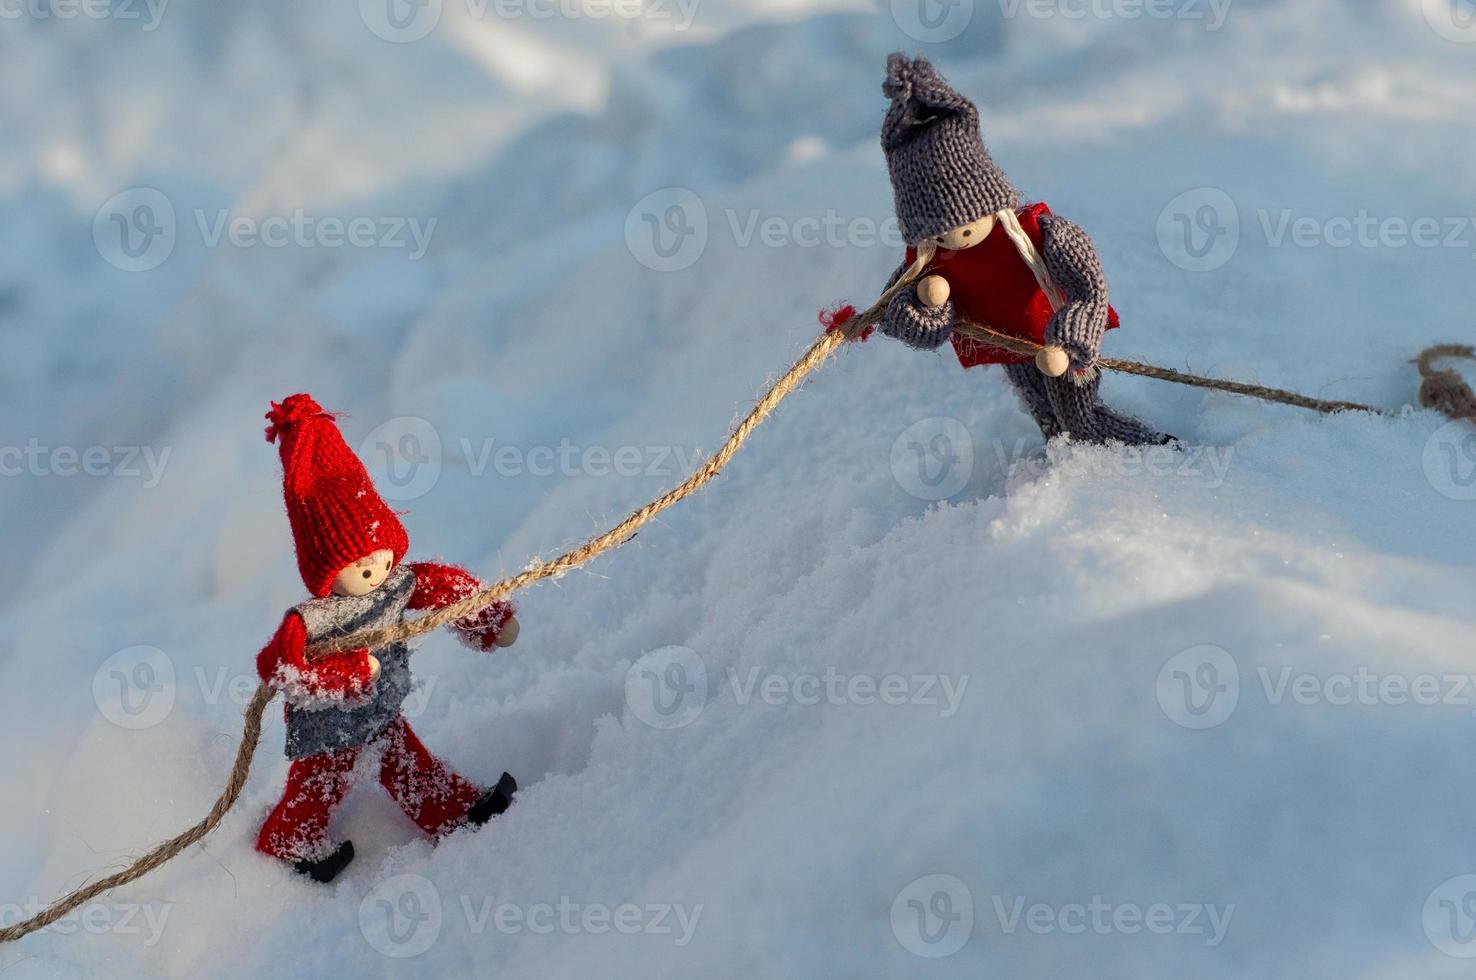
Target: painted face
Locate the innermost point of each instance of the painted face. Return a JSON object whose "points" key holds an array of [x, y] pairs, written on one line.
{"points": [[365, 575], [966, 236]]}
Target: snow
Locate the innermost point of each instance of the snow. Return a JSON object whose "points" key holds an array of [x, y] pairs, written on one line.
{"points": [[1036, 611]]}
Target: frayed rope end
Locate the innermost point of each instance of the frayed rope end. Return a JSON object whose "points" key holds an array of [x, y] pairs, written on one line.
{"points": [[837, 319]]}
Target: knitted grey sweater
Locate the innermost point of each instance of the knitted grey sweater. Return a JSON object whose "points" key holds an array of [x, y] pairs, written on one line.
{"points": [[313, 729]]}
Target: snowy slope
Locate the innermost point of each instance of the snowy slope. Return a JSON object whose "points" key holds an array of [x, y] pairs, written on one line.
{"points": [[1037, 618]]}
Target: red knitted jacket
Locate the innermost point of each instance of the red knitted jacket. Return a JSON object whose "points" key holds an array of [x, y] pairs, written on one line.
{"points": [[348, 676]]}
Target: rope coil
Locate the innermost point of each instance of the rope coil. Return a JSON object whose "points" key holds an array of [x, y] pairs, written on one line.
{"points": [[1442, 389]]}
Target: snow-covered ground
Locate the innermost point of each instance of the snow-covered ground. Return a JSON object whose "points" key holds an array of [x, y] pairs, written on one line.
{"points": [[896, 696]]}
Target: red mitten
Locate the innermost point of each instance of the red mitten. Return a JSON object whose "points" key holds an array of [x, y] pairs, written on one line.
{"points": [[343, 678], [438, 586], [482, 630]]}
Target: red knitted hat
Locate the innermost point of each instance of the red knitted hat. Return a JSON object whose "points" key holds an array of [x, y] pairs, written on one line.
{"points": [[337, 516]]}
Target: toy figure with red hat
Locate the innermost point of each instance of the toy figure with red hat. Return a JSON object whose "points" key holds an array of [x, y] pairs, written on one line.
{"points": [[344, 710]]}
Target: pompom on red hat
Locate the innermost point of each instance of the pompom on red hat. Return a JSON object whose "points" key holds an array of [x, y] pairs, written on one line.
{"points": [[337, 516]]}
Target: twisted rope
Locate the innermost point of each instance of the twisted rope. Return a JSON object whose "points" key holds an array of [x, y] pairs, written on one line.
{"points": [[825, 345], [171, 848], [1441, 389], [993, 338], [821, 349]]}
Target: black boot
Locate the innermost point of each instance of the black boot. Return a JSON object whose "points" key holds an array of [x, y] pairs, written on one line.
{"points": [[494, 802], [326, 869]]}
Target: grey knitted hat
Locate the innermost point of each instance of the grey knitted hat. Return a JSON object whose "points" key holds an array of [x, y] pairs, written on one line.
{"points": [[942, 176]]}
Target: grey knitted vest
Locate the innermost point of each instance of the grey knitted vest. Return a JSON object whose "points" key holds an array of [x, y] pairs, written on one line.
{"points": [[942, 176], [313, 730]]}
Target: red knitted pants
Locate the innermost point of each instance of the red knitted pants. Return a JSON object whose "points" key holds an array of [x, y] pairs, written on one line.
{"points": [[433, 796]]}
